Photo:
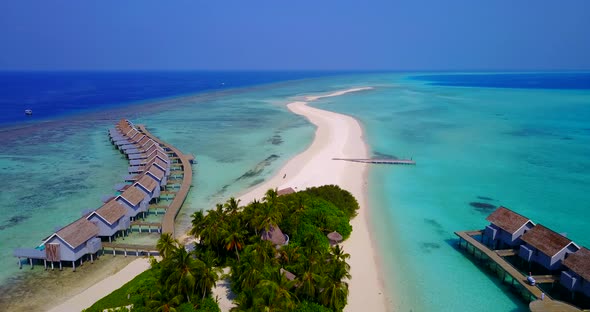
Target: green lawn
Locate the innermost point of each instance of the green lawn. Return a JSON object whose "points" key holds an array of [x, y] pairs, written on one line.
{"points": [[118, 297]]}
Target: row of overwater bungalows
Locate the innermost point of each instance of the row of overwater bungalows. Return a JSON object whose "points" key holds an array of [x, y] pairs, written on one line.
{"points": [[150, 167], [538, 244]]}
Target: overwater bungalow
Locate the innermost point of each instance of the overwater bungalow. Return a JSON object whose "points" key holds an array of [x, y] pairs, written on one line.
{"points": [[546, 247], [146, 148], [134, 200], [149, 156], [505, 229], [70, 243], [135, 145], [150, 147], [130, 142], [149, 185], [157, 161], [157, 173], [143, 161], [110, 219], [577, 276], [125, 138]]}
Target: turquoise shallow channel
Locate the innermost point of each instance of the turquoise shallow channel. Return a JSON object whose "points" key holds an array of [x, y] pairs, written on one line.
{"points": [[475, 147]]}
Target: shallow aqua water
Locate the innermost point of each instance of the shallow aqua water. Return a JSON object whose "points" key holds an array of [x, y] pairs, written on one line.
{"points": [[56, 170], [525, 149]]}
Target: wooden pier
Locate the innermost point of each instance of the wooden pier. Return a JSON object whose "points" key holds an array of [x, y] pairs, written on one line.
{"points": [[540, 302], [385, 161], [187, 178]]}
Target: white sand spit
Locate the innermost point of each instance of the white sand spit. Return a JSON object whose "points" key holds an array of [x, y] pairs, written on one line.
{"points": [[337, 136]]}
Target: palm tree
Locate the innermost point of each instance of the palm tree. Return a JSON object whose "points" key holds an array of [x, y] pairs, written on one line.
{"points": [[274, 294], [234, 239], [198, 222], [250, 274], [209, 273], [290, 254], [309, 281], [232, 205], [337, 254], [334, 294], [166, 245], [334, 290], [184, 271], [162, 302]]}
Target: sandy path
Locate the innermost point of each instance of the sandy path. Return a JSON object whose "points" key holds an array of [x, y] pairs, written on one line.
{"points": [[97, 291]]}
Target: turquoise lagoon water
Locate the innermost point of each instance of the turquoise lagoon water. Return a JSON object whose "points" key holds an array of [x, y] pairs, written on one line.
{"points": [[55, 170], [526, 149], [475, 148]]}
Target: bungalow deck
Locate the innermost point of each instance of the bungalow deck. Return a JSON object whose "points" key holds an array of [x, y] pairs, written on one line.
{"points": [[539, 301], [187, 178]]}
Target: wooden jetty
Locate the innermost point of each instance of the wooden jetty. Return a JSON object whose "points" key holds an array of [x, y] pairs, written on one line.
{"points": [[187, 178], [385, 161], [539, 301]]}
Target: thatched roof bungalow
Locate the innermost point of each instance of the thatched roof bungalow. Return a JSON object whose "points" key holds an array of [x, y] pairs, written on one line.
{"points": [[275, 236], [285, 191], [335, 238]]}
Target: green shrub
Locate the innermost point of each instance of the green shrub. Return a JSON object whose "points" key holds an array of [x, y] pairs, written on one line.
{"points": [[208, 305], [342, 199]]}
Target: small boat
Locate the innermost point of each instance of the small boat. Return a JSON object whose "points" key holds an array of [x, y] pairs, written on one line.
{"points": [[28, 112]]}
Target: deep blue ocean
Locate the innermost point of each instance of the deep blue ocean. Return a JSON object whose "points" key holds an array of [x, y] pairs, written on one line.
{"points": [[558, 80], [51, 94]]}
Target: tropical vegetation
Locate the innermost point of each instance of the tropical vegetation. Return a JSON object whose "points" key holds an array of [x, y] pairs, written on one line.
{"points": [[304, 274]]}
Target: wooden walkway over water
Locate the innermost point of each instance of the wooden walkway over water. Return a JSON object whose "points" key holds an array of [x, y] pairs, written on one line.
{"points": [[379, 161], [540, 302], [187, 180], [131, 249]]}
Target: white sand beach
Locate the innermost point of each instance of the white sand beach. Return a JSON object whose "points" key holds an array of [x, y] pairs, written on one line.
{"points": [[337, 136], [97, 291]]}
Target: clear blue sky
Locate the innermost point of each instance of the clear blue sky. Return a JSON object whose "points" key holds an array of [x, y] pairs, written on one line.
{"points": [[295, 34]]}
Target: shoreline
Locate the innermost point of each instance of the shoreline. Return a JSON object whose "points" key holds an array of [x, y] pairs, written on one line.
{"points": [[337, 135]]}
